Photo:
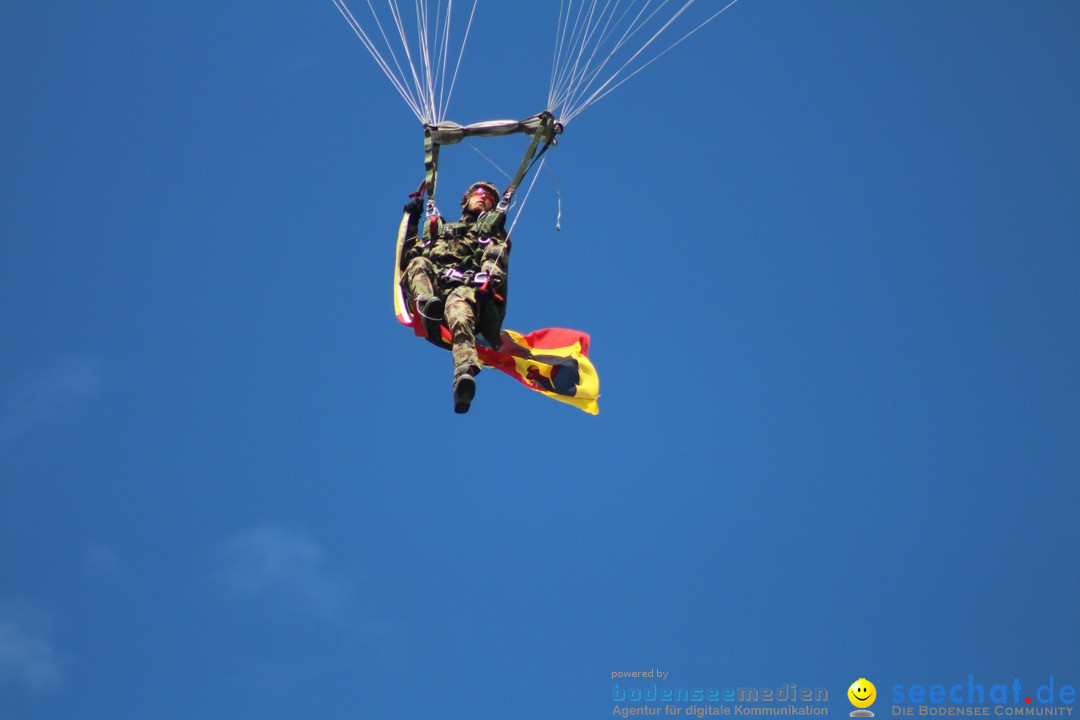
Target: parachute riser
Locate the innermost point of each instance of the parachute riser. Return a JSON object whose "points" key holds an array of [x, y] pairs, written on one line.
{"points": [[431, 167], [542, 127], [545, 133]]}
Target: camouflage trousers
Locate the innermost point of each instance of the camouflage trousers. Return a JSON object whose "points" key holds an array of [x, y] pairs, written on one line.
{"points": [[459, 311]]}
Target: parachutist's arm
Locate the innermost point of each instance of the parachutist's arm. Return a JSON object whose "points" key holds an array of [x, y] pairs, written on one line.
{"points": [[408, 251], [409, 239], [495, 263], [413, 208]]}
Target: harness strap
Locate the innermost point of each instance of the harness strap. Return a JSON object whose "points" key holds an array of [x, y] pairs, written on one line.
{"points": [[546, 132], [431, 166]]}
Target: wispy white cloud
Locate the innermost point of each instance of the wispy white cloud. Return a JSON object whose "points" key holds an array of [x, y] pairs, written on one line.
{"points": [[280, 565], [27, 657], [287, 571], [43, 396]]}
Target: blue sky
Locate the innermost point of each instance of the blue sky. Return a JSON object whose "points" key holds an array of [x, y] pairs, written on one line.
{"points": [[828, 256]]}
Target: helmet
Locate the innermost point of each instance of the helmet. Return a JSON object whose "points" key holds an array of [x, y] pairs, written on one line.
{"points": [[495, 194]]}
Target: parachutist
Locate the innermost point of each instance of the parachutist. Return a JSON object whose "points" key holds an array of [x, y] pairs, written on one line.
{"points": [[455, 278]]}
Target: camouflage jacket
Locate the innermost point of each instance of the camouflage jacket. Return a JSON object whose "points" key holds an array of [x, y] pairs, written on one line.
{"points": [[477, 248]]}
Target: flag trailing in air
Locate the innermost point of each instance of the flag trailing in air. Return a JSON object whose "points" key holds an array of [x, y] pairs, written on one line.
{"points": [[554, 362]]}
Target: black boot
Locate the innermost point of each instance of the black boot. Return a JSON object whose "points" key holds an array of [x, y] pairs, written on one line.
{"points": [[430, 307], [464, 390]]}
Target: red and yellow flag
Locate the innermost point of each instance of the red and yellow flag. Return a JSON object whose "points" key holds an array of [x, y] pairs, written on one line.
{"points": [[554, 362]]}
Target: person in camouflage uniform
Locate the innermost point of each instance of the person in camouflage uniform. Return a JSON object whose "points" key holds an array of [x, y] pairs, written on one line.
{"points": [[458, 277]]}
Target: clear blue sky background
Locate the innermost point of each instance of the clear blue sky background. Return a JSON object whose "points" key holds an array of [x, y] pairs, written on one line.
{"points": [[828, 256]]}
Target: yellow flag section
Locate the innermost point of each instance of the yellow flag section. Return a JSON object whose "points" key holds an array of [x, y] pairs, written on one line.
{"points": [[554, 362]]}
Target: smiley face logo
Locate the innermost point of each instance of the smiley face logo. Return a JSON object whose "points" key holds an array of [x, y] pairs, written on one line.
{"points": [[862, 693]]}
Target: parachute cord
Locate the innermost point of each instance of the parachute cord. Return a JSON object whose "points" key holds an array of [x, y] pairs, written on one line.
{"points": [[572, 79], [578, 84], [427, 115], [397, 80], [521, 205], [555, 55], [579, 38], [558, 198], [443, 43], [592, 37], [589, 100], [423, 42], [603, 91], [461, 53], [421, 80], [492, 162]]}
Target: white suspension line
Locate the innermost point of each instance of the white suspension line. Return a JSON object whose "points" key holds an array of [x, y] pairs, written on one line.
{"points": [[444, 43], [558, 50], [598, 95], [566, 33], [419, 87], [396, 80], [582, 30], [434, 64], [575, 86], [558, 198], [578, 86], [492, 162], [528, 191], [575, 109], [606, 17], [564, 38], [461, 54], [424, 51]]}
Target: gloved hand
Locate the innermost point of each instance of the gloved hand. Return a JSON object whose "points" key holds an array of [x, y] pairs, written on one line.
{"points": [[490, 285], [414, 207]]}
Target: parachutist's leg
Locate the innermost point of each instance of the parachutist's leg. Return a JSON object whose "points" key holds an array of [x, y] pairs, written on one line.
{"points": [[461, 319], [419, 277], [420, 284], [419, 280], [464, 391]]}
